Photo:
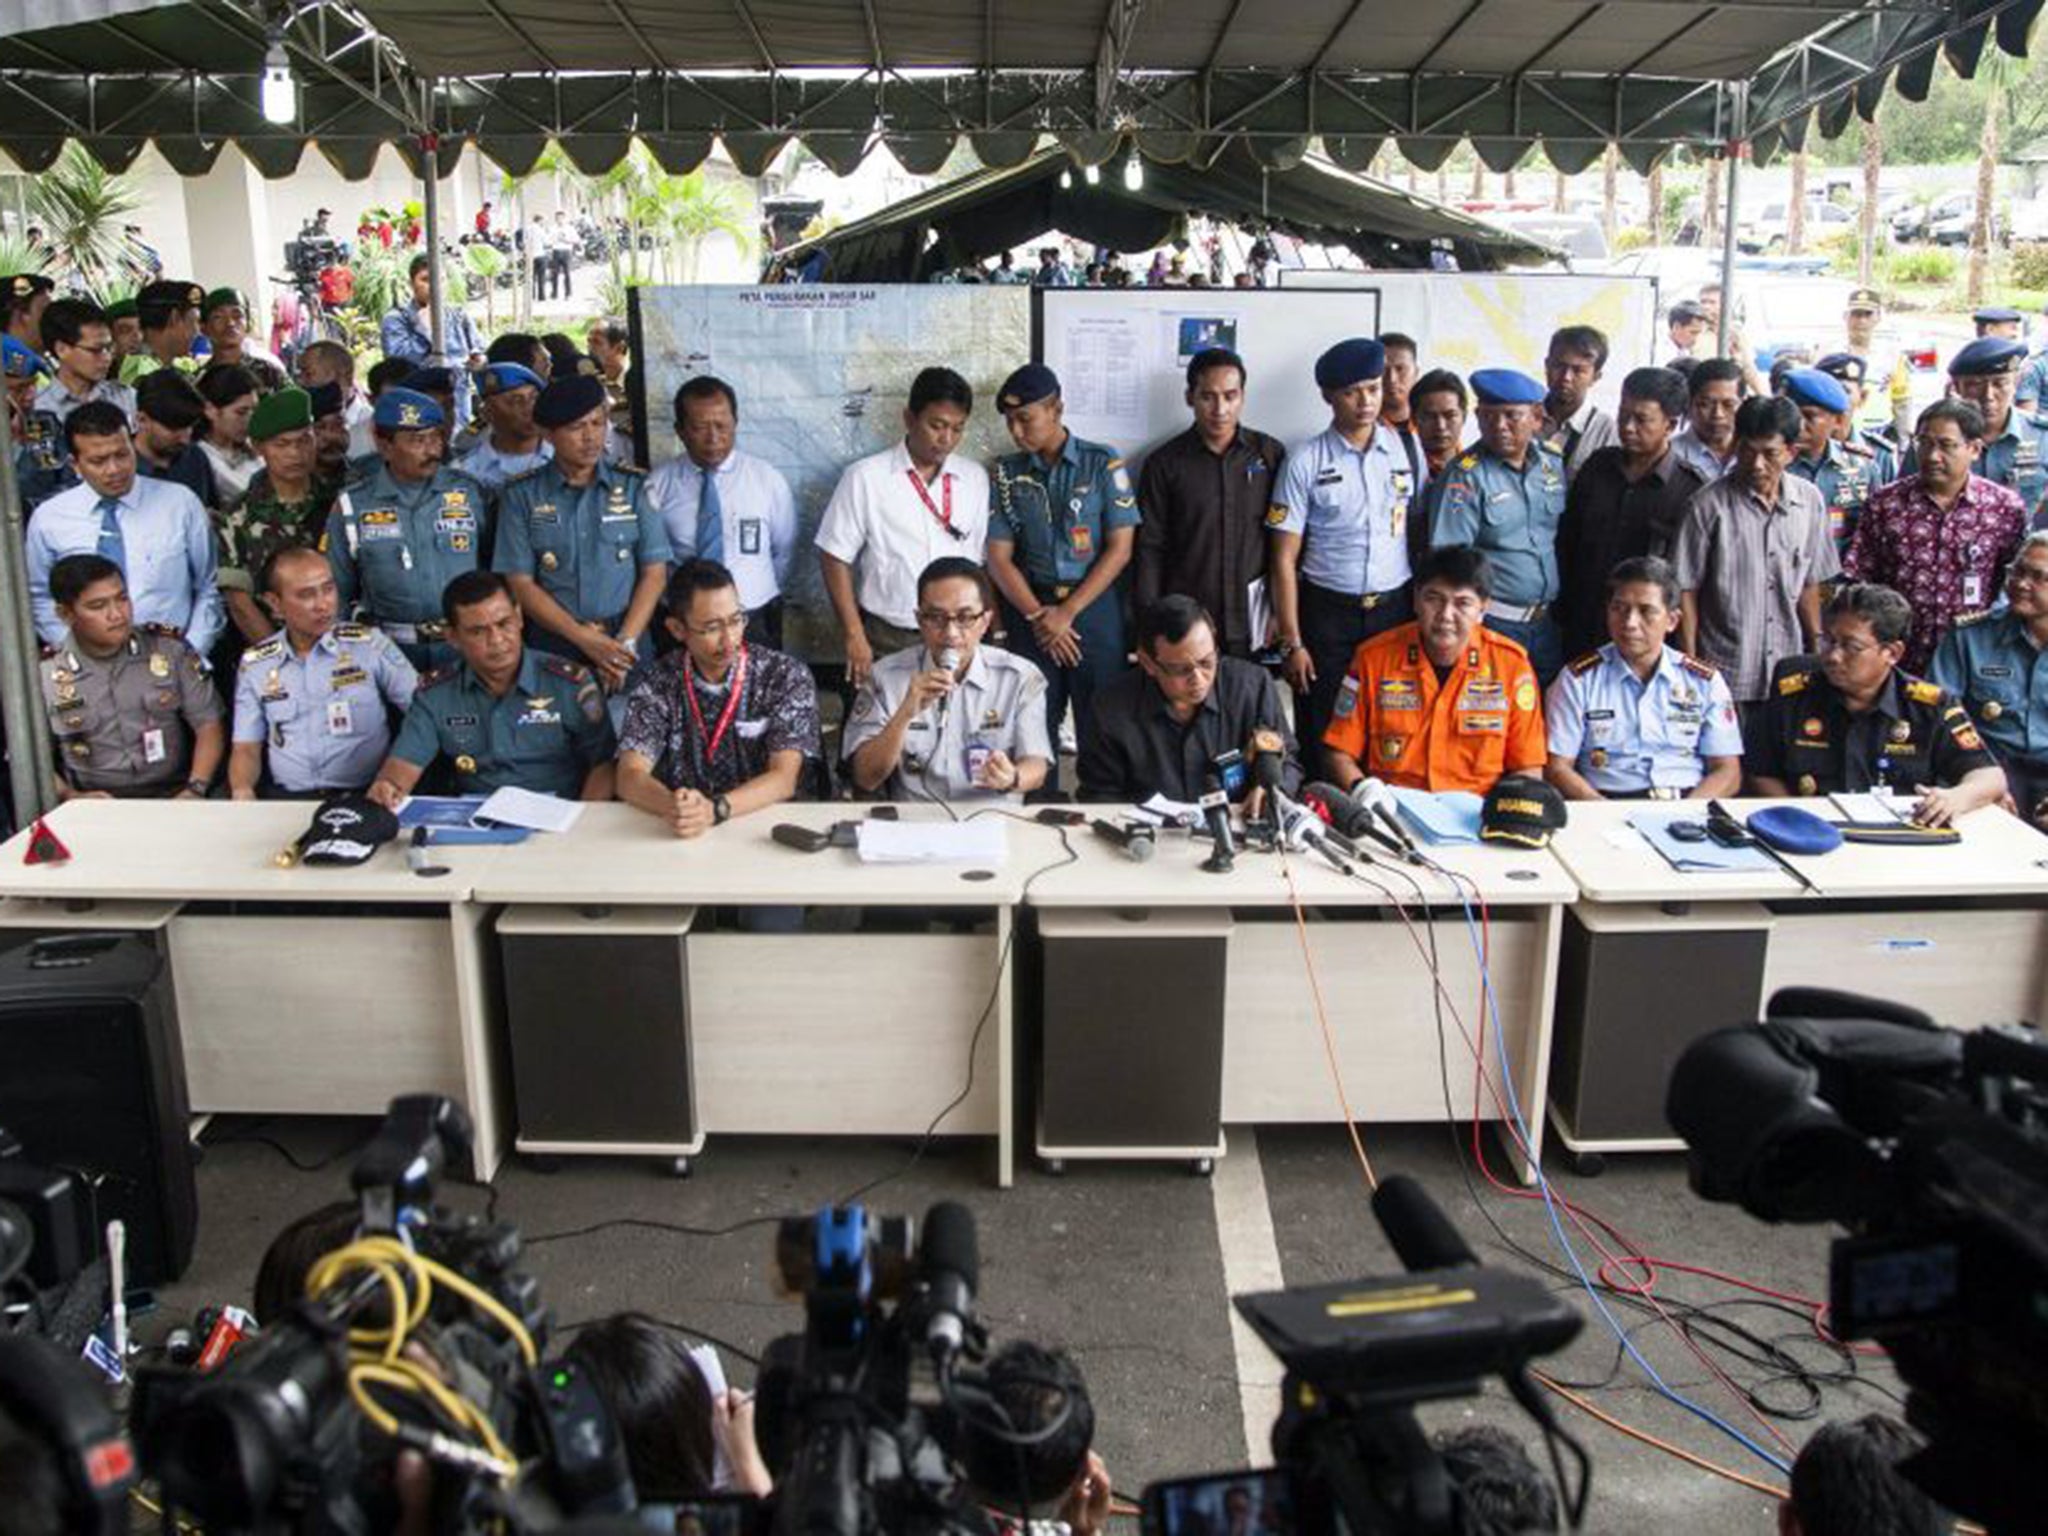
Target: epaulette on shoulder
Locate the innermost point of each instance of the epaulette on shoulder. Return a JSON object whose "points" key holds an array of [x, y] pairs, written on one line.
{"points": [[1965, 620], [434, 678], [353, 631], [1697, 667], [1920, 691], [1581, 665], [629, 469], [1468, 461], [265, 650], [1794, 682], [1851, 446], [562, 667], [525, 475]]}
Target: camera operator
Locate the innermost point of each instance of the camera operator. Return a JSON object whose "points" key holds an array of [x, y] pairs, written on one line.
{"points": [[1066, 1485], [675, 1429], [1846, 1482]]}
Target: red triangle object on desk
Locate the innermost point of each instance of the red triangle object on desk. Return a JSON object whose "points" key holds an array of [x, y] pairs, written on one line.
{"points": [[45, 846]]}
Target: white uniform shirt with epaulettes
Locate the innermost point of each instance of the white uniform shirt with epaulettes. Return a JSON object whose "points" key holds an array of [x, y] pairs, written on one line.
{"points": [[1626, 735], [125, 722], [999, 706], [322, 716]]}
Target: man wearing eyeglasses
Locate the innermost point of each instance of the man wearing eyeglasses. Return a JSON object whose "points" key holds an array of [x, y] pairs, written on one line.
{"points": [[79, 340], [1860, 722], [1987, 374], [1991, 661], [1942, 536], [1161, 729], [717, 728], [952, 719]]}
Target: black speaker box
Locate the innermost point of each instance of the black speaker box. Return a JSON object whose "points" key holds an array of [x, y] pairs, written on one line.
{"points": [[92, 1081]]}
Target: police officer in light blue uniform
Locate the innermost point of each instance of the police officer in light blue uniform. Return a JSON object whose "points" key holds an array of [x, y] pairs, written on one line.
{"points": [[1506, 497], [1063, 523], [1992, 662], [1344, 529], [1986, 373], [42, 464], [587, 554], [1843, 479], [400, 535]]}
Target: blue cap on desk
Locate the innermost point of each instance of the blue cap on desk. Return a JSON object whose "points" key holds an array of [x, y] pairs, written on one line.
{"points": [[1791, 829]]}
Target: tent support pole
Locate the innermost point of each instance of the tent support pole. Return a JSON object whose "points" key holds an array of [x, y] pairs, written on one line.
{"points": [[1738, 149], [430, 167], [29, 772]]}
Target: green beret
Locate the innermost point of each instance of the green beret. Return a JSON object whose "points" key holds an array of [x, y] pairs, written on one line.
{"points": [[220, 298], [285, 411], [121, 309]]}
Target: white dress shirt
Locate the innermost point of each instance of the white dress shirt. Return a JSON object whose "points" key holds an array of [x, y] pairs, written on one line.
{"points": [[757, 511], [879, 523], [168, 542]]}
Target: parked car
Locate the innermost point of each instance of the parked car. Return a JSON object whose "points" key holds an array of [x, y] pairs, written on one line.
{"points": [[1580, 237], [1948, 220], [1771, 228]]}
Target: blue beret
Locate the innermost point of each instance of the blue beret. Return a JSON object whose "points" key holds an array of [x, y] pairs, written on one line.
{"points": [[23, 362], [1809, 386], [499, 377], [1027, 386], [568, 399], [407, 410], [1351, 362], [1793, 829], [432, 381], [1996, 315], [1987, 356], [1846, 366], [1505, 386]]}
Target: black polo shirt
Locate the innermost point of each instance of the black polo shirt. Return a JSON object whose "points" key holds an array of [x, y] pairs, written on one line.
{"points": [[1916, 733], [1139, 750], [1609, 518], [1204, 533]]}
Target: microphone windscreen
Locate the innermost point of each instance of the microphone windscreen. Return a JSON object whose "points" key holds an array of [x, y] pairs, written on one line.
{"points": [[1421, 1234], [950, 1242]]}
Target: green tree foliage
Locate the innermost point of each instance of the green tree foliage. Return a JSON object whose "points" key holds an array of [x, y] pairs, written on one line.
{"points": [[82, 209]]}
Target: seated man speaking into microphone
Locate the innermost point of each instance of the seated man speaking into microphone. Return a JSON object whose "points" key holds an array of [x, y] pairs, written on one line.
{"points": [[1187, 713], [951, 719]]}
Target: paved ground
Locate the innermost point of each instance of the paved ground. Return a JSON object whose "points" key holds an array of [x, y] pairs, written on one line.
{"points": [[1130, 1268]]}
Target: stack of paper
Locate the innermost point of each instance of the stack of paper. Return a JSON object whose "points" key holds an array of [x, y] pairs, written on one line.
{"points": [[451, 821], [932, 842]]}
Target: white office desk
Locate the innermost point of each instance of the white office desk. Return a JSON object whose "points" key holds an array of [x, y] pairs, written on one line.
{"points": [[1374, 979], [854, 1033], [283, 1011]]}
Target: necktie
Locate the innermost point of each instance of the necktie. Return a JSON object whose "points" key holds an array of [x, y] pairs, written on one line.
{"points": [[112, 545], [710, 520]]}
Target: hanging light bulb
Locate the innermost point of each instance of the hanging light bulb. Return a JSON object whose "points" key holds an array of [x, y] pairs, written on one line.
{"points": [[1134, 173], [1066, 181], [280, 91], [1093, 173]]}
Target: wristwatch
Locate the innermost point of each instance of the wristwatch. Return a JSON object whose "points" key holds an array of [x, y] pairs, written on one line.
{"points": [[721, 810]]}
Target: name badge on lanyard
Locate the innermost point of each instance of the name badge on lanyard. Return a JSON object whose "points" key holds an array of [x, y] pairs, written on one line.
{"points": [[942, 515]]}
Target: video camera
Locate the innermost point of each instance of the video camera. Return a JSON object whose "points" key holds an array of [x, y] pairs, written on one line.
{"points": [[310, 255], [300, 1430], [1350, 1455], [1931, 1147]]}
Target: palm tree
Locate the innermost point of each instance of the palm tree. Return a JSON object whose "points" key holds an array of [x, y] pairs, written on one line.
{"points": [[484, 263], [693, 208], [1873, 163], [82, 208], [1999, 74]]}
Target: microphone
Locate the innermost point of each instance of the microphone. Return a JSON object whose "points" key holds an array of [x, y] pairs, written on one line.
{"points": [[1350, 820], [1302, 828], [947, 660], [951, 1259], [1268, 754], [1374, 796], [1417, 1227], [1216, 812], [1136, 839]]}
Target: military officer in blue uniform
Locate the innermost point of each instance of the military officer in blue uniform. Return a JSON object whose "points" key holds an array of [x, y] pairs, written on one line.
{"points": [[1638, 719], [1063, 522], [1506, 497], [1986, 373], [587, 554], [397, 537], [42, 464], [1343, 533], [1875, 443], [1992, 662], [314, 698], [502, 714], [1844, 479]]}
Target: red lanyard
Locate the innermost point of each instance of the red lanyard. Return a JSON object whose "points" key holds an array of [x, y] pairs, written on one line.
{"points": [[725, 717], [945, 518]]}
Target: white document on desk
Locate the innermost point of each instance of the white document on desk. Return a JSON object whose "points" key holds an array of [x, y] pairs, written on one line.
{"points": [[932, 842], [1167, 813], [514, 807]]}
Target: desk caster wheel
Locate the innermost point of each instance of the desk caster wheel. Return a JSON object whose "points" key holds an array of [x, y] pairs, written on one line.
{"points": [[679, 1167], [1202, 1167], [540, 1162], [1588, 1165], [1056, 1167]]}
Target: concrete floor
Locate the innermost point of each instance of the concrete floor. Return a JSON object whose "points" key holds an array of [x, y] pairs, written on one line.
{"points": [[1125, 1266]]}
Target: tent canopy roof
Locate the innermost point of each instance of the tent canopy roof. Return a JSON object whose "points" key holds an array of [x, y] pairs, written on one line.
{"points": [[1184, 78]]}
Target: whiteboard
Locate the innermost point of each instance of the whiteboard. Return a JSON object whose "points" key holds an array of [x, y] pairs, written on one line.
{"points": [[1118, 352]]}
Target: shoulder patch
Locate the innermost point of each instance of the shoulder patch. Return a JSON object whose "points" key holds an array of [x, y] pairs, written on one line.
{"points": [[562, 667], [1697, 667], [1923, 692], [265, 650], [1469, 461], [1583, 664], [1794, 682]]}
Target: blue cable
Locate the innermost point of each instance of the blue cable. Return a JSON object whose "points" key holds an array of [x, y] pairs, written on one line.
{"points": [[1550, 1202]]}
